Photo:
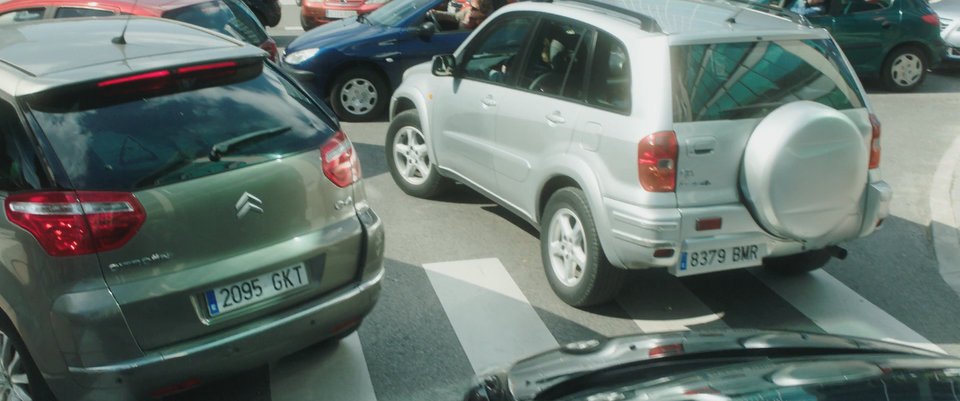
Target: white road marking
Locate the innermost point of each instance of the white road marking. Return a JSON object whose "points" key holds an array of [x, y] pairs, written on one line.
{"points": [[837, 309], [666, 306], [492, 318], [293, 28], [332, 372], [288, 2]]}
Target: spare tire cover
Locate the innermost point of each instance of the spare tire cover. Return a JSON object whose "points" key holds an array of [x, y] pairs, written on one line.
{"points": [[804, 171]]}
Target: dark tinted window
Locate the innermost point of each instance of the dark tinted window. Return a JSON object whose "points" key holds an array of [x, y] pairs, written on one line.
{"points": [[137, 138], [73, 12], [556, 57], [748, 80], [220, 16], [610, 78], [19, 165], [28, 14], [494, 57]]}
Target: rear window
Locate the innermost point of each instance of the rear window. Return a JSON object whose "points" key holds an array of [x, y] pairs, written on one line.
{"points": [[725, 81], [224, 17], [142, 136]]}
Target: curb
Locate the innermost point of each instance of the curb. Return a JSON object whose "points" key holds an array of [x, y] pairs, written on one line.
{"points": [[944, 214]]}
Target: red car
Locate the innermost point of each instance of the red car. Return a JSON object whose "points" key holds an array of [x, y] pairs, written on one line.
{"points": [[319, 12], [230, 17]]}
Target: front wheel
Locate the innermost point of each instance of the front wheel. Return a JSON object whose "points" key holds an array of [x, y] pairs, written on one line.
{"points": [[574, 262], [359, 95], [408, 158], [904, 69]]}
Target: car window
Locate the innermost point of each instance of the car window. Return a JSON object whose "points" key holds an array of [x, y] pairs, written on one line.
{"points": [[28, 14], [396, 11], [856, 6], [18, 162], [159, 133], [220, 16], [76, 12], [494, 56], [749, 79], [610, 75], [556, 59]]}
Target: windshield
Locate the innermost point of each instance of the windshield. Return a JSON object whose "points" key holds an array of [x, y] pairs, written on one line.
{"points": [[146, 140], [396, 11], [749, 79]]}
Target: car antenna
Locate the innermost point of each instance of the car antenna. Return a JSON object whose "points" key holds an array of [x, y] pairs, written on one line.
{"points": [[122, 39]]}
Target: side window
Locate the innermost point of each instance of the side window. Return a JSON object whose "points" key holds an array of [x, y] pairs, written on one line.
{"points": [[74, 12], [494, 59], [610, 77], [556, 59], [28, 14], [857, 6], [17, 168]]}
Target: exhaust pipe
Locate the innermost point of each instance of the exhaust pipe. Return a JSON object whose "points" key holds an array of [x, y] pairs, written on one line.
{"points": [[837, 252]]}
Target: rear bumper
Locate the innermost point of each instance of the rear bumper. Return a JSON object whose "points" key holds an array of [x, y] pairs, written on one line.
{"points": [[637, 232], [237, 349]]}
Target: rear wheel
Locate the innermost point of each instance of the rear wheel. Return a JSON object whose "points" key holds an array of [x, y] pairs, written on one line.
{"points": [[574, 262], [904, 69], [20, 380], [797, 264], [408, 158], [359, 95]]}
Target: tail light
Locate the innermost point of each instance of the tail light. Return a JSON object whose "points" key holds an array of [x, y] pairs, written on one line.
{"points": [[932, 19], [271, 47], [77, 223], [665, 350], [874, 142], [657, 162], [340, 162]]}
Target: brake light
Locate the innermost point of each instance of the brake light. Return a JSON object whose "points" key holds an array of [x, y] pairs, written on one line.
{"points": [[77, 223], [932, 19], [340, 162], [154, 80], [207, 67], [657, 162], [665, 350], [148, 76], [874, 142]]}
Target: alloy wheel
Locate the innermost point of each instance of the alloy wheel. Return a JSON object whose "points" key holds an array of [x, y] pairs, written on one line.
{"points": [[410, 155], [14, 383], [567, 247]]}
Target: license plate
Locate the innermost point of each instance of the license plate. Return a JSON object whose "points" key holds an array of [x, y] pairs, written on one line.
{"points": [[243, 293], [716, 258], [341, 13]]}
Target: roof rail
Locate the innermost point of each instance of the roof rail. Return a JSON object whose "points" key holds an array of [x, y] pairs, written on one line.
{"points": [[772, 10], [647, 23]]}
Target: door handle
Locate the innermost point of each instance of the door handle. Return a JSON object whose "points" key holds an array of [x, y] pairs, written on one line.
{"points": [[886, 24], [488, 101], [701, 146], [556, 118]]}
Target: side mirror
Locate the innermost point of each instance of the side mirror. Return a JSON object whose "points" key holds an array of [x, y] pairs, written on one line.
{"points": [[444, 65], [426, 30]]}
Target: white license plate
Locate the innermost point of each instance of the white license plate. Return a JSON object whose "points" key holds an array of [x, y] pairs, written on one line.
{"points": [[341, 13], [717, 258], [243, 293]]}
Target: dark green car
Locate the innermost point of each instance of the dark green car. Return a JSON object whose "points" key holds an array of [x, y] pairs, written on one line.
{"points": [[895, 41]]}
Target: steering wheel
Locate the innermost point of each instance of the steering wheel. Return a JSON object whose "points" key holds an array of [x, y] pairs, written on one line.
{"points": [[436, 22]]}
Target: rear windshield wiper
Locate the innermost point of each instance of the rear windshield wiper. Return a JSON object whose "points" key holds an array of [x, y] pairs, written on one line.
{"points": [[222, 148]]}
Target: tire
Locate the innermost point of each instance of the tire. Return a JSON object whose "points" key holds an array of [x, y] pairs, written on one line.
{"points": [[359, 95], [11, 345], [589, 279], [904, 69], [425, 181], [800, 263]]}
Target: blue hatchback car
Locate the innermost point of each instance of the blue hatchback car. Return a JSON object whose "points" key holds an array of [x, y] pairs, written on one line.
{"points": [[357, 63]]}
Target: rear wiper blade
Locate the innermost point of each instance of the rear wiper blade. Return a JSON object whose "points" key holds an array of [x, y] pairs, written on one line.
{"points": [[222, 148]]}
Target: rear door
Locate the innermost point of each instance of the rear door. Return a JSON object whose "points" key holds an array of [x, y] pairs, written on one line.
{"points": [[864, 29], [232, 169]]}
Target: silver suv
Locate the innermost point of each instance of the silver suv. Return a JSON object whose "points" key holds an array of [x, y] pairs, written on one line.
{"points": [[690, 135]]}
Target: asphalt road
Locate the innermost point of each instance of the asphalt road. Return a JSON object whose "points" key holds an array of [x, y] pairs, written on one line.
{"points": [[465, 290]]}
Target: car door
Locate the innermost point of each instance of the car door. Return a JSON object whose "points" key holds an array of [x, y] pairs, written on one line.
{"points": [[537, 118], [862, 27], [411, 48], [466, 107]]}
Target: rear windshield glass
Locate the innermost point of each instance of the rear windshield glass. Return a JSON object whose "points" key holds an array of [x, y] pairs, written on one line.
{"points": [[724, 81], [129, 141], [223, 17]]}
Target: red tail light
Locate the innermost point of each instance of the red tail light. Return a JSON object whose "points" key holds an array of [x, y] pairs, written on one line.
{"points": [[68, 223], [657, 162], [932, 19], [340, 162], [874, 142], [271, 47], [152, 78], [665, 350], [207, 67]]}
